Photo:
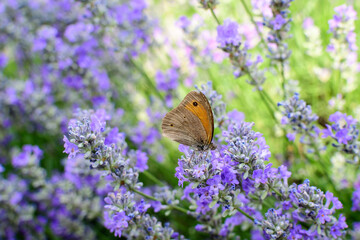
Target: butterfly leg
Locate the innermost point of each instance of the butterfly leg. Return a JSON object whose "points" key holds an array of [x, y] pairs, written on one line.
{"points": [[192, 156], [207, 153]]}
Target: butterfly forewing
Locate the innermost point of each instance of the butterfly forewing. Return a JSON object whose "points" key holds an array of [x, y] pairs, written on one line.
{"points": [[182, 126], [191, 123], [198, 104]]}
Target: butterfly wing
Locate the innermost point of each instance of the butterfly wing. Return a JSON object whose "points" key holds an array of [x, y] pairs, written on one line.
{"points": [[184, 127], [197, 103]]}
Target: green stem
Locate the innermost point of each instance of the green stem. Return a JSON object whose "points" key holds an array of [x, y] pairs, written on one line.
{"points": [[245, 214], [317, 153], [276, 191], [213, 14], [269, 99], [153, 178], [283, 78], [154, 199], [271, 112], [144, 194], [263, 202]]}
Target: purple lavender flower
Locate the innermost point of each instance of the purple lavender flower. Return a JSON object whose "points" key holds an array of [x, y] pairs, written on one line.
{"points": [[228, 39], [278, 23], [3, 60], [337, 230], [18, 214], [183, 22], [116, 222], [168, 81], [262, 6], [342, 47], [30, 155], [343, 13], [141, 162], [310, 206], [207, 4], [275, 225], [345, 132], [356, 196], [124, 215], [300, 119], [70, 148], [227, 34]]}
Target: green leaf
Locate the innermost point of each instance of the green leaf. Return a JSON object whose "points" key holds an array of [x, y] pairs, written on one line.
{"points": [[263, 195], [212, 204], [228, 198], [233, 212], [192, 207], [225, 213], [195, 185]]}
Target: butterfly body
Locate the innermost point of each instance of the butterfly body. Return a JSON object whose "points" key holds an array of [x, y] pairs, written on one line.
{"points": [[191, 123]]}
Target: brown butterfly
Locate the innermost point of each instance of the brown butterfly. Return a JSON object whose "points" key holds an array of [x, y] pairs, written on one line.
{"points": [[191, 123]]}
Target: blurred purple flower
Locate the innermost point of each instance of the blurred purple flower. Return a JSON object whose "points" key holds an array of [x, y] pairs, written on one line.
{"points": [[3, 60], [227, 33], [141, 162], [278, 22], [30, 155], [356, 196]]}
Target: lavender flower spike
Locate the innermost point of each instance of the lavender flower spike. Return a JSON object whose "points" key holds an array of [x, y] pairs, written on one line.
{"points": [[300, 119], [228, 39]]}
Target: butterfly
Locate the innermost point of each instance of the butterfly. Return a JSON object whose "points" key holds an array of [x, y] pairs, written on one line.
{"points": [[191, 123]]}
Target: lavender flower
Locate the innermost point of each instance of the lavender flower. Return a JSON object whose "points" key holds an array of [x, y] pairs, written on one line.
{"points": [[345, 132], [208, 4], [229, 41], [168, 82], [313, 44], [276, 226], [145, 134], [279, 26], [90, 134], [28, 163], [300, 118], [342, 47], [30, 155], [228, 34], [356, 196], [199, 47], [61, 56], [310, 207], [127, 217], [355, 234], [165, 195], [18, 211]]}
